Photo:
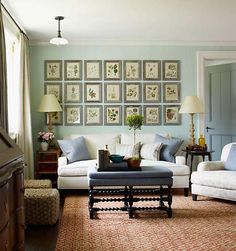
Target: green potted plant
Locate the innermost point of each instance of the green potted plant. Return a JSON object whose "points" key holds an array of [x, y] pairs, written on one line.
{"points": [[134, 121]]}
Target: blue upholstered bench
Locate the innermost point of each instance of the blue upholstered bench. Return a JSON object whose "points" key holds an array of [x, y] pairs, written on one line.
{"points": [[153, 177]]}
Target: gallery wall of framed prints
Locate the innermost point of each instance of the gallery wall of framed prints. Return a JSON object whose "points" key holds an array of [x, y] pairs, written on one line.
{"points": [[104, 92]]}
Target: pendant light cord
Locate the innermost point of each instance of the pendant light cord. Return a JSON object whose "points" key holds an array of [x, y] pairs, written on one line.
{"points": [[59, 28]]}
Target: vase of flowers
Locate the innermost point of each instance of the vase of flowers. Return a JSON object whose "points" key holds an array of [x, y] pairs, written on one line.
{"points": [[45, 138]]}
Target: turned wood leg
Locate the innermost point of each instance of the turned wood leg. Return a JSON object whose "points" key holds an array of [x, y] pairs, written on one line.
{"points": [[126, 193], [169, 198], [91, 202], [130, 208], [194, 197], [161, 203]]}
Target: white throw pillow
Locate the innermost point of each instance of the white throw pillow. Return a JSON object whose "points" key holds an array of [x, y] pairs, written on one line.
{"points": [[151, 151], [128, 150]]}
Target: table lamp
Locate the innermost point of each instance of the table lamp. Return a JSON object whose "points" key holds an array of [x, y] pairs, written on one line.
{"points": [[49, 104], [191, 105]]}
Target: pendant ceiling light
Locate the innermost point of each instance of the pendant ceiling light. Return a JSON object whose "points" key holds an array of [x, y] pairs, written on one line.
{"points": [[59, 40]]}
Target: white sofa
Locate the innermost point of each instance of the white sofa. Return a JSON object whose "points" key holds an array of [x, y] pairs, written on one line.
{"points": [[74, 175], [212, 180]]}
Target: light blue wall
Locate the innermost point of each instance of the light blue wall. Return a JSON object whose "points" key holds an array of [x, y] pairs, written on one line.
{"points": [[186, 54]]}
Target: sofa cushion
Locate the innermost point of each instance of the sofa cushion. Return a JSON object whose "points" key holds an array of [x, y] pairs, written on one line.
{"points": [[128, 150], [78, 168], [219, 179], [98, 141], [178, 170], [230, 163], [74, 149], [150, 151], [169, 148]]}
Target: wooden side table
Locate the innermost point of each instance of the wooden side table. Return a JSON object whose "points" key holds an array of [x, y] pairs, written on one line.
{"points": [[193, 153], [47, 164]]}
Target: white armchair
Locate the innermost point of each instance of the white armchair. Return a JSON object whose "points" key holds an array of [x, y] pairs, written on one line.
{"points": [[213, 180]]}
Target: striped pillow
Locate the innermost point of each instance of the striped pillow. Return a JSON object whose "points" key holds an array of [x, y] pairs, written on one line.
{"points": [[128, 150], [151, 151]]}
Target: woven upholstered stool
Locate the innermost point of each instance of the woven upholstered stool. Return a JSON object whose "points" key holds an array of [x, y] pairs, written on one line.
{"points": [[37, 183], [41, 206]]}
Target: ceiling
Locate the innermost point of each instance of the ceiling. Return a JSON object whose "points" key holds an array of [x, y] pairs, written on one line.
{"points": [[141, 21]]}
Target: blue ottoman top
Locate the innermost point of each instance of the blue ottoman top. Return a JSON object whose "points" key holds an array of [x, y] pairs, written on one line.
{"points": [[147, 172]]}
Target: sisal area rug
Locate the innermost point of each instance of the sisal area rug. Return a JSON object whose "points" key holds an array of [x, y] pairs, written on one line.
{"points": [[206, 224]]}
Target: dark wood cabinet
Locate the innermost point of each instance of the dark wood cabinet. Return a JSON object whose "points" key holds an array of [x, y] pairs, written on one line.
{"points": [[47, 163], [12, 219]]}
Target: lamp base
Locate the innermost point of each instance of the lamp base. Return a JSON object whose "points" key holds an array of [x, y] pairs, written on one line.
{"points": [[191, 131]]}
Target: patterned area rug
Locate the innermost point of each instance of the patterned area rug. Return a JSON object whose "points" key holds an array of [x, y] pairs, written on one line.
{"points": [[207, 224]]}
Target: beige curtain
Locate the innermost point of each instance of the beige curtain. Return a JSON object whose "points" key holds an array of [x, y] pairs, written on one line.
{"points": [[25, 130], [3, 77]]}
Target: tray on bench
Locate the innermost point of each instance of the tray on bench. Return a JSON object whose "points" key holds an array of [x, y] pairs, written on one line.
{"points": [[118, 167]]}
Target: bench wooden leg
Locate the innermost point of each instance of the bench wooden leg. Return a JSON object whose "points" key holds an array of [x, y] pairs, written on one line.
{"points": [[169, 198], [130, 208], [91, 203]]}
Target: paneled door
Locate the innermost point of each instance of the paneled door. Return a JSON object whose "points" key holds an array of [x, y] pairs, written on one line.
{"points": [[219, 107]]}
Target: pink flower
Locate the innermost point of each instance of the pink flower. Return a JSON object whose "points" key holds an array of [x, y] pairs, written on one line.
{"points": [[45, 136]]}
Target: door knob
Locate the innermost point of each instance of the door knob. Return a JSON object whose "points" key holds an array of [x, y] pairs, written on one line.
{"points": [[209, 128]]}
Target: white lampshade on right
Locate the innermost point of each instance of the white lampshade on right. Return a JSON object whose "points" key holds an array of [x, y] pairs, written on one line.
{"points": [[191, 105]]}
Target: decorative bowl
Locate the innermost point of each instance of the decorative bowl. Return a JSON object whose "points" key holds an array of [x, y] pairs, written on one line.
{"points": [[133, 162], [116, 158]]}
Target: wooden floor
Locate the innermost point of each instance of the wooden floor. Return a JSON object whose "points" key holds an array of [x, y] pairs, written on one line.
{"points": [[43, 238]]}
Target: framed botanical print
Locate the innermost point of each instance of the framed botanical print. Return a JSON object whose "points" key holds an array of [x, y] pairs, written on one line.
{"points": [[73, 92], [172, 115], [112, 92], [152, 70], [93, 92], [52, 70], [152, 114], [132, 92], [73, 115], [93, 115], [132, 69], [113, 115], [130, 110], [56, 118], [151, 92], [54, 88], [93, 70], [171, 69], [171, 92], [112, 70], [73, 70]]}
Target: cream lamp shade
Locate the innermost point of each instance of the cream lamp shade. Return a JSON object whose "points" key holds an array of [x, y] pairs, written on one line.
{"points": [[191, 105], [49, 103]]}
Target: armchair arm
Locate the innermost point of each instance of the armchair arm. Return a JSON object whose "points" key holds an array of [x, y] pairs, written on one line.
{"points": [[62, 161], [180, 160], [210, 166]]}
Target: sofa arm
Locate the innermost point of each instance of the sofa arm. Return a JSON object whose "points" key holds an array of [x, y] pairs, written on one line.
{"points": [[62, 161], [180, 160], [210, 166]]}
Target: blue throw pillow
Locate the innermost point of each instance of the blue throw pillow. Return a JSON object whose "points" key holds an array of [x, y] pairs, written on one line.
{"points": [[74, 149], [231, 160], [170, 146]]}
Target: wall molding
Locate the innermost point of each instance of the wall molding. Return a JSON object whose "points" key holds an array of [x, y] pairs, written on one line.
{"points": [[138, 43]]}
